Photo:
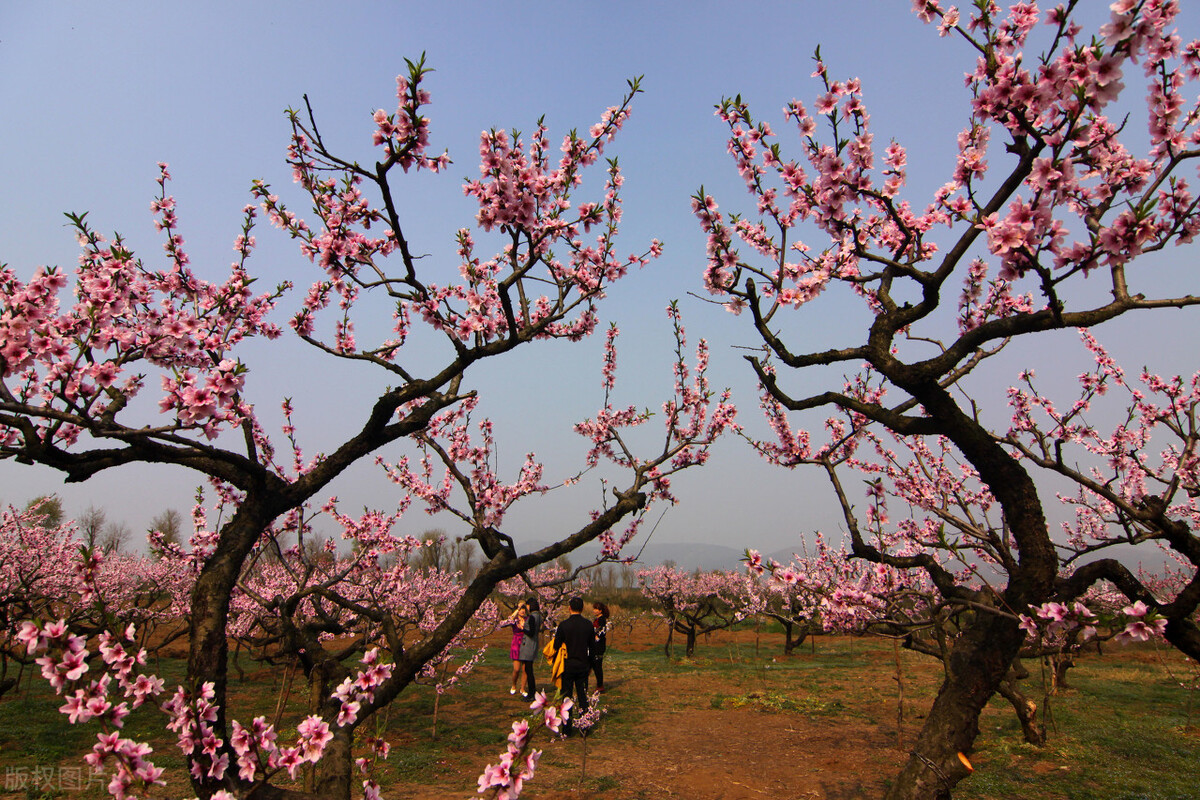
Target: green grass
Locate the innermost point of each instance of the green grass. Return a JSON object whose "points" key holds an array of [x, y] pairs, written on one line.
{"points": [[1120, 733], [604, 783], [33, 726], [781, 702]]}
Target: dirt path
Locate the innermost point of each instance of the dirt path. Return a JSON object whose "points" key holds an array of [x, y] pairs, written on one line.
{"points": [[696, 733], [735, 754]]}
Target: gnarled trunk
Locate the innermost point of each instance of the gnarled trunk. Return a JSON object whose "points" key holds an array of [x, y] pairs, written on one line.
{"points": [[1060, 664], [983, 654], [208, 652], [330, 777], [791, 643], [1025, 708], [333, 773], [209, 648], [978, 662]]}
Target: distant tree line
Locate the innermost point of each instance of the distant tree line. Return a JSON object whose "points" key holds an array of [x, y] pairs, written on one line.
{"points": [[99, 533]]}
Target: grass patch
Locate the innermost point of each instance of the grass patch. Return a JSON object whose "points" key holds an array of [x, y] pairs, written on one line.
{"points": [[779, 702], [1118, 734], [605, 783]]}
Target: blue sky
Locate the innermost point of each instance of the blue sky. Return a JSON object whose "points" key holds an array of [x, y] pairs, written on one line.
{"points": [[96, 94]]}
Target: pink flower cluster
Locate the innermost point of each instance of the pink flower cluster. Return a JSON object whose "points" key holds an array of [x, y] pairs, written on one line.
{"points": [[86, 363], [360, 690], [555, 715], [1141, 624], [506, 779], [64, 664], [698, 598], [404, 135], [1137, 622], [468, 466], [694, 417], [192, 717], [827, 590], [519, 191], [1053, 619], [1136, 480], [69, 664], [1078, 179]]}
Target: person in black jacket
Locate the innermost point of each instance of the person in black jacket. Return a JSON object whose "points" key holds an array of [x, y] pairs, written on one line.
{"points": [[579, 636]]}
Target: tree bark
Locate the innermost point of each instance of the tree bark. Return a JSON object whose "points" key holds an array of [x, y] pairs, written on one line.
{"points": [[1060, 664], [978, 662], [791, 643], [983, 654], [209, 648], [1026, 710], [332, 774]]}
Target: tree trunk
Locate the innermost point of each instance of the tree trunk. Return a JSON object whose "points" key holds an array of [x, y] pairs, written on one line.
{"points": [[691, 642], [983, 654], [334, 770], [1060, 664], [790, 643], [1026, 710], [208, 643], [978, 662], [208, 650], [331, 776]]}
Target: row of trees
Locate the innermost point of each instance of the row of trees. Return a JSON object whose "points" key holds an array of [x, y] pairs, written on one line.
{"points": [[1000, 256], [824, 592], [810, 595], [97, 531]]}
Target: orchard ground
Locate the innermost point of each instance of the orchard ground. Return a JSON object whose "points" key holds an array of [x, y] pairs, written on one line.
{"points": [[738, 721]]}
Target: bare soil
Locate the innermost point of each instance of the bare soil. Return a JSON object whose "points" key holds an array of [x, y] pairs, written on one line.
{"points": [[719, 728], [718, 754]]}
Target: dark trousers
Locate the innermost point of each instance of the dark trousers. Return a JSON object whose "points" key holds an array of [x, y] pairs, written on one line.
{"points": [[530, 683], [598, 668], [575, 685]]}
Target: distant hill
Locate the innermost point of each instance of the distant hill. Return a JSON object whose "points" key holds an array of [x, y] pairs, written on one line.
{"points": [[685, 555]]}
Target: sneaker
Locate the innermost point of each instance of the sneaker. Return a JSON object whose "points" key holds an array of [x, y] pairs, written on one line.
{"points": [[512, 691]]}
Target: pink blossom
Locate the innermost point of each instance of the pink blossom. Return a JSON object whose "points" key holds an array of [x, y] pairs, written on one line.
{"points": [[314, 735], [1138, 609]]}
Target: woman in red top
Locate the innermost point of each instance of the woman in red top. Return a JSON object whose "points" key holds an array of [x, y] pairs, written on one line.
{"points": [[597, 654]]}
